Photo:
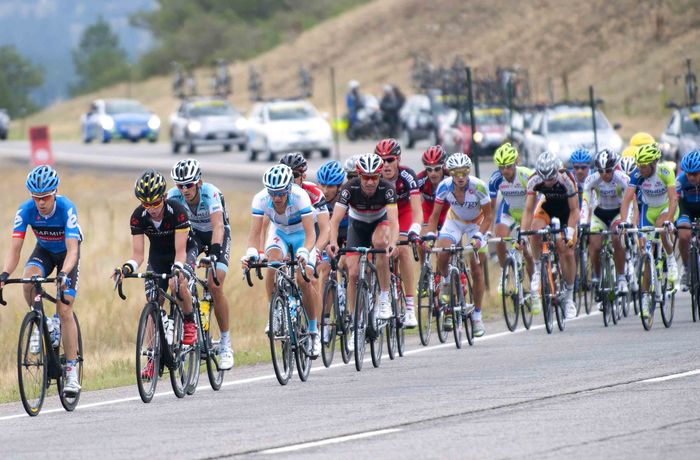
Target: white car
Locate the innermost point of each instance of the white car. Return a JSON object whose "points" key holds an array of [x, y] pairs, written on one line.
{"points": [[283, 126], [205, 121], [563, 128]]}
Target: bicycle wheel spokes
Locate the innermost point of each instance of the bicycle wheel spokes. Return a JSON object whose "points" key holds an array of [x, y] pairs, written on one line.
{"points": [[510, 294], [605, 289], [302, 351], [456, 304], [148, 352], [646, 293], [70, 402], [360, 323], [376, 342], [329, 322], [400, 330], [179, 373], [211, 344], [32, 370], [668, 301], [280, 338], [425, 298]]}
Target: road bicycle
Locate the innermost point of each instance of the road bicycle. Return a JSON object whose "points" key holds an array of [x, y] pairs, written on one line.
{"points": [[395, 333], [336, 323], [694, 269], [429, 304], [41, 360], [583, 287], [612, 302]]}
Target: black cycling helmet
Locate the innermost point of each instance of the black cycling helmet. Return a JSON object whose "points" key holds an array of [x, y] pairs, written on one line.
{"points": [[606, 159], [150, 187], [294, 160]]}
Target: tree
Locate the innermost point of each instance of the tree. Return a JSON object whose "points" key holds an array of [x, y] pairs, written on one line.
{"points": [[18, 76], [99, 60]]}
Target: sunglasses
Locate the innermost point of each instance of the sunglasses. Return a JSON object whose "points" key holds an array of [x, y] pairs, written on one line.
{"points": [[390, 159], [459, 173], [370, 178], [186, 186], [43, 197], [503, 168], [581, 167], [433, 168], [692, 173], [277, 193], [297, 174], [606, 170], [155, 204]]}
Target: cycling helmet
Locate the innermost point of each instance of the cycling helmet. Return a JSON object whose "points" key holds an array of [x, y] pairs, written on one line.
{"points": [[505, 155], [349, 166], [294, 160], [186, 171], [278, 178], [547, 165], [627, 165], [388, 147], [641, 138], [369, 164], [647, 153], [458, 161], [606, 159], [330, 173], [150, 187], [42, 179], [629, 151], [435, 155], [579, 156], [691, 162]]}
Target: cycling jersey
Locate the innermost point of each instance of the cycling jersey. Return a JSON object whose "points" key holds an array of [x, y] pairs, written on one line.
{"points": [[366, 208], [211, 200], [513, 194], [406, 185], [427, 191], [688, 199], [654, 189], [579, 185], [51, 231], [555, 201], [475, 196], [318, 199], [161, 235], [298, 206], [608, 195]]}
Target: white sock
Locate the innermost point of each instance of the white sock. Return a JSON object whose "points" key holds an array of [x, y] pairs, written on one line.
{"points": [[383, 296], [409, 302]]}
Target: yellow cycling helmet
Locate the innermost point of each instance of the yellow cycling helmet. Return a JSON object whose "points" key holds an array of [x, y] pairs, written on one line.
{"points": [[629, 151], [647, 154], [641, 138], [505, 155]]}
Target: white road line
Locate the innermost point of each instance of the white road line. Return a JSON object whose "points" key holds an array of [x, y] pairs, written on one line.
{"points": [[671, 376], [325, 442], [204, 386]]}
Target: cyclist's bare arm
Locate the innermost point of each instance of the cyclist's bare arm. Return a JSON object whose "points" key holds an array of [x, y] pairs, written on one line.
{"points": [[309, 232], [626, 200], [392, 215], [137, 249], [488, 218], [573, 211], [256, 227], [527, 214], [262, 236], [72, 245], [435, 217], [217, 224], [493, 206], [181, 236], [12, 258], [324, 227], [672, 201], [416, 210]]}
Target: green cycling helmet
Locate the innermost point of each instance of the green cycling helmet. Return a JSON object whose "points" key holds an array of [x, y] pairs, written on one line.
{"points": [[647, 153], [505, 155]]}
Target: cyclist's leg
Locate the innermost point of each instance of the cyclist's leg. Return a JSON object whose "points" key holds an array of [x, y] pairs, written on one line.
{"points": [[660, 216], [275, 251], [450, 234], [380, 239], [476, 269], [221, 304], [502, 227], [69, 331], [594, 244], [40, 263], [618, 249]]}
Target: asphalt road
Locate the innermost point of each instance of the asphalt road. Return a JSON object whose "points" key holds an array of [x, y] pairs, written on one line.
{"points": [[588, 392]]}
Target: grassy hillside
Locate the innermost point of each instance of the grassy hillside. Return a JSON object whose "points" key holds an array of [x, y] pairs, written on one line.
{"points": [[630, 50]]}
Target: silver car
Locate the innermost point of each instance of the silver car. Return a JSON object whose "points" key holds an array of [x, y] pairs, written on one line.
{"points": [[207, 121], [563, 128], [4, 124], [682, 133]]}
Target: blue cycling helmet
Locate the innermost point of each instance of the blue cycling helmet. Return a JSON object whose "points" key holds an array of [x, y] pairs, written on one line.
{"points": [[579, 156], [331, 173], [42, 179], [691, 161]]}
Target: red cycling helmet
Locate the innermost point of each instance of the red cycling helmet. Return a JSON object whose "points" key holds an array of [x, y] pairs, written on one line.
{"points": [[435, 155], [388, 148]]}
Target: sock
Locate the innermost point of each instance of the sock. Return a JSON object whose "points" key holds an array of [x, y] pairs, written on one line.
{"points": [[313, 328], [569, 292], [621, 278], [477, 313], [189, 318], [409, 302], [225, 338], [383, 296]]}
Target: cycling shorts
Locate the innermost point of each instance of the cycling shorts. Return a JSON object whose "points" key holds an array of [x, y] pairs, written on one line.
{"points": [[648, 215], [164, 264], [453, 230], [545, 213], [603, 219], [47, 261], [277, 239], [689, 213], [360, 233], [204, 243]]}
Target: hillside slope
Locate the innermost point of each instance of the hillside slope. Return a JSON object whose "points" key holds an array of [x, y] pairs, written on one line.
{"points": [[627, 49]]}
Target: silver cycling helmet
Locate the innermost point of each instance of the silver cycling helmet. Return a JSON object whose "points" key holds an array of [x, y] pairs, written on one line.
{"points": [[547, 165], [186, 171], [278, 178], [458, 161]]}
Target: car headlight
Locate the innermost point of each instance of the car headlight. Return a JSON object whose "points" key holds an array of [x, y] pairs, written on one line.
{"points": [[154, 122], [107, 123], [553, 147], [194, 126], [478, 137], [241, 124]]}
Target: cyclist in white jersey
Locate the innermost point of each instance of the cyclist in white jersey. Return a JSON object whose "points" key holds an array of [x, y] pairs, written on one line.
{"points": [[288, 208], [606, 186], [471, 215]]}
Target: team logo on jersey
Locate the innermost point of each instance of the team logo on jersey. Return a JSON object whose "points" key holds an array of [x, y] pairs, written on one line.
{"points": [[134, 221], [18, 219], [72, 219], [390, 194], [345, 194]]}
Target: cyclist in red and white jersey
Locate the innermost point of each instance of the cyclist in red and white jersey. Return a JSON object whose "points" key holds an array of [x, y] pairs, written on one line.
{"points": [[429, 179], [410, 214]]}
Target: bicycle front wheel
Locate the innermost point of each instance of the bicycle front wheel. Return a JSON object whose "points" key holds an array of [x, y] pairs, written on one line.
{"points": [[70, 402], [510, 294], [329, 322], [32, 369], [646, 290], [148, 348], [280, 338], [694, 283], [546, 293], [185, 358], [214, 372], [456, 305], [426, 299], [400, 331], [668, 291], [606, 288], [391, 327], [302, 351], [361, 308]]}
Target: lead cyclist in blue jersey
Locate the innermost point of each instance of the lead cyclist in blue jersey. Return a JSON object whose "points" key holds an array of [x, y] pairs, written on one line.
{"points": [[688, 189], [206, 210], [54, 220]]}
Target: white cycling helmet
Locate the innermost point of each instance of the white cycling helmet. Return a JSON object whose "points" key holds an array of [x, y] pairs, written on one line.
{"points": [[458, 161], [186, 171], [349, 165], [627, 165], [278, 178], [369, 164], [547, 165]]}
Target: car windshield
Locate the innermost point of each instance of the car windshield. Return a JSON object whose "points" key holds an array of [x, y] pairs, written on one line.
{"points": [[691, 123], [575, 121], [291, 112], [210, 109], [117, 107], [488, 116]]}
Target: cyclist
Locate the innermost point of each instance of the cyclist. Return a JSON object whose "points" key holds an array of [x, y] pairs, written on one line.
{"points": [[605, 189], [557, 187], [657, 201], [349, 166], [627, 166], [166, 225], [510, 180], [428, 180], [373, 221], [54, 220], [410, 216], [206, 210], [581, 167], [688, 189], [470, 214], [288, 207]]}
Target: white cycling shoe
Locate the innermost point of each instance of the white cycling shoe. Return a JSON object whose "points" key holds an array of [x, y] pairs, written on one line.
{"points": [[410, 321], [569, 309], [622, 288], [225, 357], [385, 309], [351, 342], [315, 345], [72, 386], [672, 269], [535, 284]]}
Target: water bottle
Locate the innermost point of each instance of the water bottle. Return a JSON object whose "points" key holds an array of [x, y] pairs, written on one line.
{"points": [[167, 327], [555, 223], [56, 336], [293, 305], [171, 331], [49, 326], [204, 307], [341, 298]]}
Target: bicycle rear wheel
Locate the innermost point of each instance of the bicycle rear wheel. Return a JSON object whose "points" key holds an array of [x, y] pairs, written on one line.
{"points": [[456, 304], [694, 283], [606, 288], [193, 380], [668, 290], [557, 283], [400, 331], [546, 293], [302, 351], [70, 402], [646, 293], [584, 290], [510, 294], [391, 326], [329, 322], [32, 368], [148, 349], [215, 374], [280, 337], [361, 308], [426, 299], [183, 357]]}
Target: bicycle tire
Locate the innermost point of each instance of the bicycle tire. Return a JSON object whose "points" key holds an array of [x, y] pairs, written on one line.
{"points": [[32, 387], [279, 337], [69, 403], [400, 331], [193, 359], [467, 319], [559, 305], [329, 321], [304, 343], [179, 373], [456, 306], [148, 349], [440, 323], [391, 346], [360, 322], [509, 294], [605, 289], [526, 314], [668, 304], [586, 289], [546, 296], [214, 373], [376, 342], [644, 266], [426, 302], [694, 283]]}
